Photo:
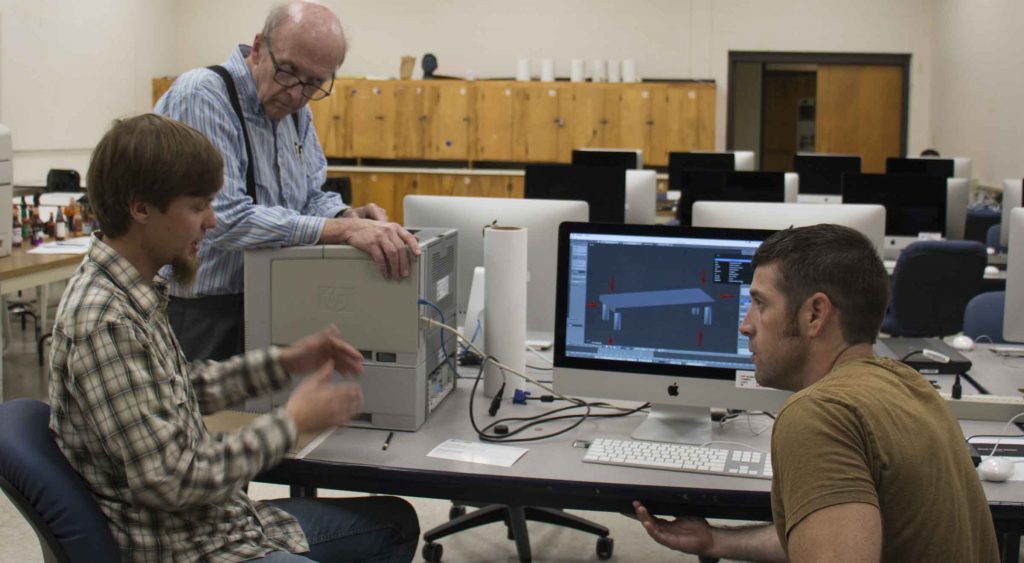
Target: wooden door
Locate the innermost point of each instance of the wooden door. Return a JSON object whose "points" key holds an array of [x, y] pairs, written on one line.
{"points": [[161, 85], [450, 115], [780, 112], [495, 114], [373, 187], [643, 123], [689, 119], [860, 111], [542, 131], [411, 124], [589, 121], [331, 119], [373, 119]]}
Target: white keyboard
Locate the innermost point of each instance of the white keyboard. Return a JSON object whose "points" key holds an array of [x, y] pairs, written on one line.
{"points": [[734, 462]]}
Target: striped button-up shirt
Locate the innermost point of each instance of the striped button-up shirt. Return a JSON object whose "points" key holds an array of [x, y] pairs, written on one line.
{"points": [[126, 412], [289, 165]]}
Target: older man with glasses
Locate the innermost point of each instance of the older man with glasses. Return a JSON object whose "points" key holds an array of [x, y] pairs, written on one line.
{"points": [[254, 110]]}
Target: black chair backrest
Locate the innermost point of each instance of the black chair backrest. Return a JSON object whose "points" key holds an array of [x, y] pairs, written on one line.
{"points": [[63, 181], [931, 285], [342, 186], [47, 490]]}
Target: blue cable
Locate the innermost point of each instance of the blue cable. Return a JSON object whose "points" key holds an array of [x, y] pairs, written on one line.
{"points": [[440, 313]]}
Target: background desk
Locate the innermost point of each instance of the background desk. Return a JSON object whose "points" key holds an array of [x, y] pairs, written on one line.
{"points": [[22, 270], [552, 474]]}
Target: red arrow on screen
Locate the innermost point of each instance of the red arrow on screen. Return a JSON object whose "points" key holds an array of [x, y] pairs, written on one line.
{"points": [[726, 295], [611, 284], [592, 305], [703, 277], [700, 338], [610, 341]]}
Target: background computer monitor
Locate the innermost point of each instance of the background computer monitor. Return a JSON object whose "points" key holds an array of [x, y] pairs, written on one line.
{"points": [[652, 313], [602, 187], [1013, 321], [914, 204], [822, 174], [641, 197], [957, 196], [626, 158], [711, 185], [943, 167], [469, 215], [868, 219], [1012, 195]]}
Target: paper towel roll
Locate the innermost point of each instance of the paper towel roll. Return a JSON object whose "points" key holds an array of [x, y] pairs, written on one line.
{"points": [[597, 73], [629, 71], [523, 70], [613, 72], [504, 305], [576, 73], [547, 70]]}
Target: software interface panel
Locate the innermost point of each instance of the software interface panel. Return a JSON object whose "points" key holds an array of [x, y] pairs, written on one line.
{"points": [[659, 300]]}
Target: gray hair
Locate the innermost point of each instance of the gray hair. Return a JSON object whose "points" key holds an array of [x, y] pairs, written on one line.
{"points": [[291, 11]]}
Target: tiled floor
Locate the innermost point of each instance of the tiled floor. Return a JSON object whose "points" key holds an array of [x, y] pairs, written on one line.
{"points": [[23, 377]]}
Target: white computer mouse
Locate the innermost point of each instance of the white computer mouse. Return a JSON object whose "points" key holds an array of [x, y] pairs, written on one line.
{"points": [[991, 271], [962, 342], [995, 469]]}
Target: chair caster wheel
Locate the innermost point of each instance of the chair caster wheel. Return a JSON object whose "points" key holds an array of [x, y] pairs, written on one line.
{"points": [[432, 552], [605, 546], [455, 511]]}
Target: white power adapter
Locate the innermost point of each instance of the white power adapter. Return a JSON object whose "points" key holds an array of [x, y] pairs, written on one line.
{"points": [[935, 356]]}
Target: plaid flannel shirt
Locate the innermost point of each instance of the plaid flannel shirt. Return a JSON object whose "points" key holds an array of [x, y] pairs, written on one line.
{"points": [[126, 412]]}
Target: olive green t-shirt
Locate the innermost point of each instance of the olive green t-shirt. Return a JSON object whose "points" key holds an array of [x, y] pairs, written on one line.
{"points": [[874, 431]]}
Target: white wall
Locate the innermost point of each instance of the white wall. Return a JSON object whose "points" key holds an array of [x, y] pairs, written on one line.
{"points": [[978, 108], [68, 68]]}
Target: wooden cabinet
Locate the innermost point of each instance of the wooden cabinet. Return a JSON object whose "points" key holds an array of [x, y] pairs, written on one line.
{"points": [[505, 121], [450, 115]]}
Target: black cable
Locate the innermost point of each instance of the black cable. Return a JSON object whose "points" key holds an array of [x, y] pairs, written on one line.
{"points": [[541, 418], [974, 383], [538, 368]]}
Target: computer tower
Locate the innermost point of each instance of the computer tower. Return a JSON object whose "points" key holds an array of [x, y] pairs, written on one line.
{"points": [[296, 291]]}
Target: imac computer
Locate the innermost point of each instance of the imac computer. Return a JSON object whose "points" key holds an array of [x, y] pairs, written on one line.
{"points": [[821, 175], [652, 314], [953, 167], [626, 158], [469, 215], [867, 219], [1012, 196], [602, 187], [710, 185], [679, 162], [1013, 321], [914, 205]]}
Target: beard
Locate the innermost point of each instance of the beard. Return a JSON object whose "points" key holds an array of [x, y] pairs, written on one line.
{"points": [[184, 269]]}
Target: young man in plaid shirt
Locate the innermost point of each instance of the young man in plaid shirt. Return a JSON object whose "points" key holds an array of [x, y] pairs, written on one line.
{"points": [[127, 407]]}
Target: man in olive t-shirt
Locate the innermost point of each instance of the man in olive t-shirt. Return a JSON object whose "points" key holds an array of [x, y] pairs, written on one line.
{"points": [[868, 462]]}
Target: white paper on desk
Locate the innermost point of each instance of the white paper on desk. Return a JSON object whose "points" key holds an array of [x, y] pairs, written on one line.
{"points": [[79, 245], [984, 445], [476, 452]]}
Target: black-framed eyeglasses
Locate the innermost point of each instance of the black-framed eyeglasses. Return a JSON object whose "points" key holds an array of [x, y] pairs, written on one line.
{"points": [[288, 79]]}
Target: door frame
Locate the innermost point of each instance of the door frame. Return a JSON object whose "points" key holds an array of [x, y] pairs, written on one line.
{"points": [[772, 57]]}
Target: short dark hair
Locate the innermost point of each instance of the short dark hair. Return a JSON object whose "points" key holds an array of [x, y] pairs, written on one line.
{"points": [[837, 261], [152, 159]]}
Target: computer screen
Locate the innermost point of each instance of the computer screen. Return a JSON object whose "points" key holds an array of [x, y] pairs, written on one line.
{"points": [[681, 162], [1012, 196], [710, 185], [913, 204], [1013, 321], [602, 187], [652, 313], [470, 214], [626, 158], [822, 174], [867, 219], [943, 167]]}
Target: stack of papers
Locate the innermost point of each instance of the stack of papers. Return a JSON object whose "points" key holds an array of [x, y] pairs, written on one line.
{"points": [[79, 245]]}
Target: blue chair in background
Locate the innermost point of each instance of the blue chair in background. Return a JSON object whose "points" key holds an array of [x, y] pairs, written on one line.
{"points": [[47, 491], [931, 285], [984, 316], [992, 238]]}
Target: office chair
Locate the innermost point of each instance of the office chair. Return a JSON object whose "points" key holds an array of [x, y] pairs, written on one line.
{"points": [[931, 285], [992, 238], [47, 491], [984, 316], [978, 222], [515, 518]]}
